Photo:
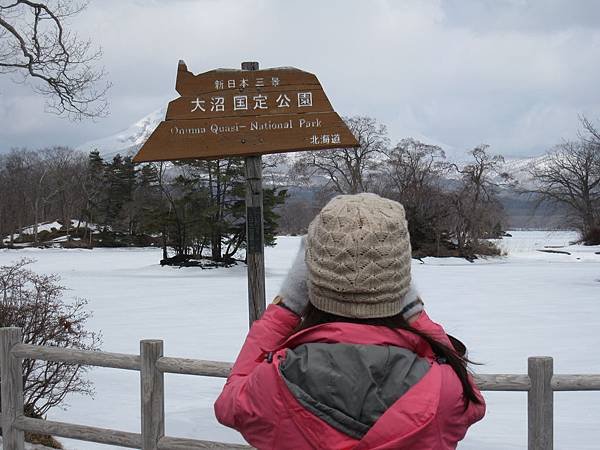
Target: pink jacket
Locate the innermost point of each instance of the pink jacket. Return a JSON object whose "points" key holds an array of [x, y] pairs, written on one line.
{"points": [[257, 402]]}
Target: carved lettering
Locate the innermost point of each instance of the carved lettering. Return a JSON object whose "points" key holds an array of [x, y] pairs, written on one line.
{"points": [[314, 123], [256, 125]]}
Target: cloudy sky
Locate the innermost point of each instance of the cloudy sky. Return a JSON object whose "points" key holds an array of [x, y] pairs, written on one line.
{"points": [[514, 74]]}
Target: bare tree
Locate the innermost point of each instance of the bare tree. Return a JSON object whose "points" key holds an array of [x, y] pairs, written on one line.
{"points": [[38, 186], [476, 209], [349, 170], [571, 176], [34, 303], [15, 171], [295, 215], [39, 195], [414, 177], [37, 46], [65, 172], [412, 165]]}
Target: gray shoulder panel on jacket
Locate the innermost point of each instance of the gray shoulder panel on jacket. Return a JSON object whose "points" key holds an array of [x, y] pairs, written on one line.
{"points": [[350, 386]]}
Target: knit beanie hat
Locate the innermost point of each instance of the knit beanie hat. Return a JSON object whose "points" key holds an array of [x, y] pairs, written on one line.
{"points": [[358, 257]]}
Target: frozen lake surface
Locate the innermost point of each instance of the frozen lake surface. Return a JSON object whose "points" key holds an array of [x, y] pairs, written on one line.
{"points": [[505, 309]]}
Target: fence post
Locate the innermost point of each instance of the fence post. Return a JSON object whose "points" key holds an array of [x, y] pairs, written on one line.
{"points": [[152, 394], [11, 374], [540, 401]]}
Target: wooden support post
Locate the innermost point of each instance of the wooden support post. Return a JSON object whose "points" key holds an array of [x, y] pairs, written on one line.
{"points": [[152, 394], [540, 404], [11, 376], [255, 246]]}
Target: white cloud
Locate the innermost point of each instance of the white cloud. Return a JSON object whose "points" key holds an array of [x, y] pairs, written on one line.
{"points": [[514, 74]]}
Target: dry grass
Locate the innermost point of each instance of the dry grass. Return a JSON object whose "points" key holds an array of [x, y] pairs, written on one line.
{"points": [[42, 439]]}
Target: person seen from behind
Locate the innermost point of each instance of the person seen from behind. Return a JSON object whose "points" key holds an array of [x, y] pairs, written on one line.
{"points": [[346, 357]]}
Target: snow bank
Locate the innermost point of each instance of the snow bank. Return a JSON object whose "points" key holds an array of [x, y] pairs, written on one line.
{"points": [[44, 226]]}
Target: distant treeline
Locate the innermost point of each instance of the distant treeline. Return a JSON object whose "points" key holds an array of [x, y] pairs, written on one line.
{"points": [[188, 206], [198, 207], [452, 208]]}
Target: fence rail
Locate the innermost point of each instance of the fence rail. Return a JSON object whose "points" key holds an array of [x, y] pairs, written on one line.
{"points": [[539, 383]]}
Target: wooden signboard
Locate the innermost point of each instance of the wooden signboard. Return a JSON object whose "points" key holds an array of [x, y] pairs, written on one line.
{"points": [[248, 112], [228, 112]]}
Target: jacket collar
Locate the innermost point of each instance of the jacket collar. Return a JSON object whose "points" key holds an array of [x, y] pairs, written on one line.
{"points": [[353, 333]]}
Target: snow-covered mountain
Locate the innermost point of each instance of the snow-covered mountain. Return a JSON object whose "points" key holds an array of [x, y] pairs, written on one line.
{"points": [[520, 168], [129, 140], [520, 165]]}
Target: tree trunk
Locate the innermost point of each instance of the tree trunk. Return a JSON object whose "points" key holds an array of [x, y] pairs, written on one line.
{"points": [[216, 246], [35, 221], [165, 254]]}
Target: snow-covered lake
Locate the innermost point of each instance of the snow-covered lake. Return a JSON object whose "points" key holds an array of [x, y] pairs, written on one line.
{"points": [[505, 309]]}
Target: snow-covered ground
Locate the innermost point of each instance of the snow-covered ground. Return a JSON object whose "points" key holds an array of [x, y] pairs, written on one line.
{"points": [[505, 309]]}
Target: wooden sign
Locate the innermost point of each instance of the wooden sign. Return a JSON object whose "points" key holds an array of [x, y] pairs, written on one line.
{"points": [[228, 112]]}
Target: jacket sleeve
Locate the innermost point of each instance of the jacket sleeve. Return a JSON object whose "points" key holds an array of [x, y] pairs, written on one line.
{"points": [[238, 403]]}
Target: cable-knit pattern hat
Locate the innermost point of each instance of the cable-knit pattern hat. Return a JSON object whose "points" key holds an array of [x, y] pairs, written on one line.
{"points": [[358, 257]]}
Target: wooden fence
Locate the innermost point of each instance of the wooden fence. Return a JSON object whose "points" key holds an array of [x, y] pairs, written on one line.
{"points": [[540, 384]]}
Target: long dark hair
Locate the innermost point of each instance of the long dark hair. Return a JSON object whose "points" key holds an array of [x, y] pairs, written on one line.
{"points": [[455, 357]]}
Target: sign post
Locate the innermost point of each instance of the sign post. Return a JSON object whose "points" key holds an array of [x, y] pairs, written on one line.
{"points": [[226, 113], [255, 242]]}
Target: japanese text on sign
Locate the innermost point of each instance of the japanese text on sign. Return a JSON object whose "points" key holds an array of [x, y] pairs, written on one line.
{"points": [[244, 83], [226, 112], [252, 102]]}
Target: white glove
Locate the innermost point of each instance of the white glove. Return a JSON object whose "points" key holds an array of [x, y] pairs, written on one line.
{"points": [[411, 303], [294, 290]]}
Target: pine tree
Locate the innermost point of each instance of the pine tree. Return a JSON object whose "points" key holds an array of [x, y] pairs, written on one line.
{"points": [[211, 209], [214, 187], [120, 181], [95, 193], [147, 206]]}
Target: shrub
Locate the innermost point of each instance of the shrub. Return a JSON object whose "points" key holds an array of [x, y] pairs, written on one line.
{"points": [[592, 237], [35, 303]]}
